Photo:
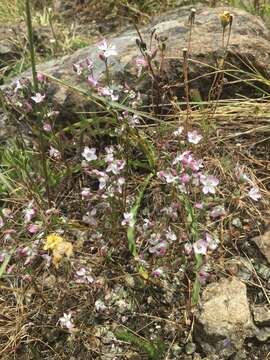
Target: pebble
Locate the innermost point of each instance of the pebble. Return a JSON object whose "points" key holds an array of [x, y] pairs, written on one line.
{"points": [[190, 348]]}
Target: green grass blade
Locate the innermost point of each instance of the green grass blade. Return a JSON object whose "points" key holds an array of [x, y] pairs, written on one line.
{"points": [[134, 211], [5, 263]]}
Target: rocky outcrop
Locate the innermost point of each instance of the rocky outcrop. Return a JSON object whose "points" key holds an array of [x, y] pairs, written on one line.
{"points": [[263, 243], [249, 44], [224, 320]]}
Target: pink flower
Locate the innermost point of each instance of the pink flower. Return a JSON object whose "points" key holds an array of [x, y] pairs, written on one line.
{"points": [[66, 321], [203, 276], [254, 193], [41, 77], [54, 153], [47, 127], [128, 219], [218, 211], [10, 269], [107, 49], [157, 272], [38, 98], [184, 178], [209, 183], [86, 193], [116, 166], [200, 247], [83, 276], [102, 177], [25, 251], [159, 249], [140, 64], [188, 248], [109, 156], [93, 82], [140, 61], [7, 213], [155, 238], [198, 206], [29, 214], [196, 165], [89, 63], [33, 228], [120, 182], [2, 256], [89, 154], [167, 176], [194, 137], [185, 158], [170, 235], [106, 91]]}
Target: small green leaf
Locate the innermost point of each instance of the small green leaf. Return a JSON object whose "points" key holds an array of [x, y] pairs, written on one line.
{"points": [[143, 273]]}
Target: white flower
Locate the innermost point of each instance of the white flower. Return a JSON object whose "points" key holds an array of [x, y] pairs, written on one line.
{"points": [[120, 182], [89, 218], [209, 184], [54, 153], [18, 86], [29, 214], [170, 235], [128, 219], [86, 192], [167, 176], [38, 98], [212, 242], [109, 157], [254, 193], [89, 154], [200, 247], [100, 306], [178, 131], [116, 166], [108, 49], [194, 137], [66, 321], [106, 91], [102, 178]]}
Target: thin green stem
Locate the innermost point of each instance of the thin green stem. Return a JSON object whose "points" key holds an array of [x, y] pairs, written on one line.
{"points": [[31, 44], [35, 84]]}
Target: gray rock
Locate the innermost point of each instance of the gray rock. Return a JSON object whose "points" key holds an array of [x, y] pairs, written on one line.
{"points": [[261, 315], [224, 320], [248, 44], [190, 348], [262, 334], [263, 243]]}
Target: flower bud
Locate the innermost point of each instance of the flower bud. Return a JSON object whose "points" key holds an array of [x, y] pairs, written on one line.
{"points": [[225, 19]]}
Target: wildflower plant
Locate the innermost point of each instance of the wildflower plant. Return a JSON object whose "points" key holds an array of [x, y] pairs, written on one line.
{"points": [[125, 188]]}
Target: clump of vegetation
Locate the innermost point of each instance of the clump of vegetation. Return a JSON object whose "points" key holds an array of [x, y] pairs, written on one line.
{"points": [[125, 214]]}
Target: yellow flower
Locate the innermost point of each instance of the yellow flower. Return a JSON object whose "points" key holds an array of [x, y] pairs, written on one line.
{"points": [[52, 241], [225, 18], [59, 246], [63, 249]]}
